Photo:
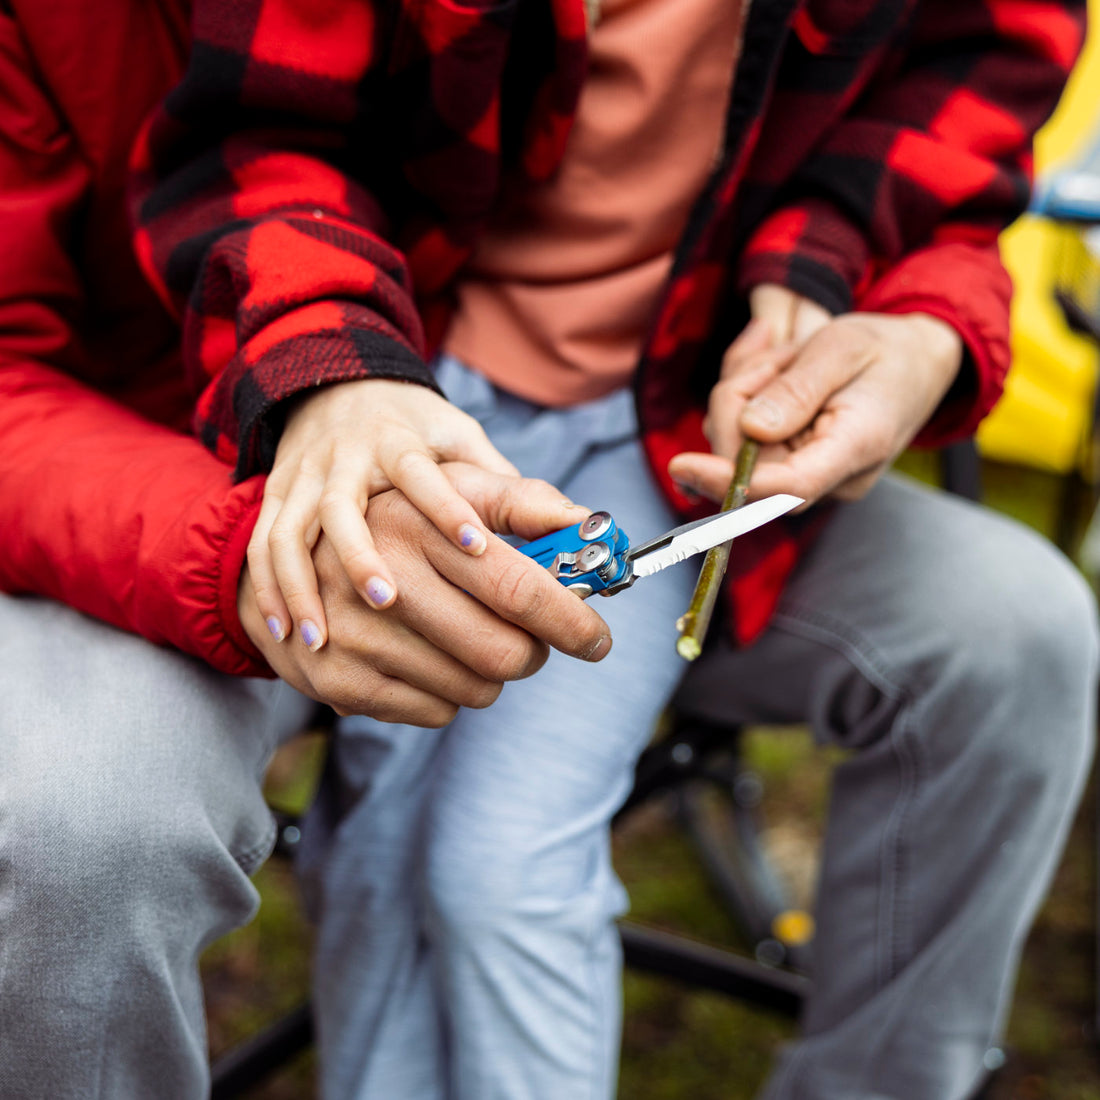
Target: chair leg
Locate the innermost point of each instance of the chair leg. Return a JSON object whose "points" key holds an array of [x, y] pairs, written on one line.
{"points": [[250, 1062]]}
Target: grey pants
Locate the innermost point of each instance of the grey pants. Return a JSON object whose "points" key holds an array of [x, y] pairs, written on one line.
{"points": [[130, 819], [953, 652]]}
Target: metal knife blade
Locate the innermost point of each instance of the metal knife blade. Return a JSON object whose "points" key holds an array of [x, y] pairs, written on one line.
{"points": [[695, 538]]}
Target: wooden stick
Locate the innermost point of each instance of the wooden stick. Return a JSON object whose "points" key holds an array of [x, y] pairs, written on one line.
{"points": [[694, 622]]}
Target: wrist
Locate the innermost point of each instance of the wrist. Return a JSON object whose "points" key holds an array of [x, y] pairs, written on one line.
{"points": [[939, 339]]}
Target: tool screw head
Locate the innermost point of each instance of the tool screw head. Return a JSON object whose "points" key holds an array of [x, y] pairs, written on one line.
{"points": [[599, 523], [593, 556]]}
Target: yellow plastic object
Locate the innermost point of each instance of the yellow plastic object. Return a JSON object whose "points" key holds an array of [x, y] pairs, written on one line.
{"points": [[1044, 418], [1046, 412]]}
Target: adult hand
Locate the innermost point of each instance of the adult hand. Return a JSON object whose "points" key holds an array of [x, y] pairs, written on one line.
{"points": [[459, 627], [833, 401], [341, 446]]}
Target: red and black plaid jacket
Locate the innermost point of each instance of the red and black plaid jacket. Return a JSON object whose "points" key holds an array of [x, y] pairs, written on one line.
{"points": [[308, 193]]}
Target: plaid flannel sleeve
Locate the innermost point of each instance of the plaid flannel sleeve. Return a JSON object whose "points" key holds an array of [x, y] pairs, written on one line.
{"points": [[249, 224], [938, 149]]}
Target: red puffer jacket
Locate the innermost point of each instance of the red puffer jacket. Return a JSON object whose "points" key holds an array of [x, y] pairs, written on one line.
{"points": [[109, 503]]}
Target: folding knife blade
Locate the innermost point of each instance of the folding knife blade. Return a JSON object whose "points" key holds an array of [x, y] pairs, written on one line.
{"points": [[694, 538]]}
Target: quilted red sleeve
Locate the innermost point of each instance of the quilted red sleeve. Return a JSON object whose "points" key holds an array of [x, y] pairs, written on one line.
{"points": [[122, 519], [249, 223], [940, 143], [99, 509]]}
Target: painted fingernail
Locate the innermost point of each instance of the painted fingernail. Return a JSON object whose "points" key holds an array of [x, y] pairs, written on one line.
{"points": [[310, 634], [763, 411], [278, 631], [379, 593], [471, 539], [600, 649]]}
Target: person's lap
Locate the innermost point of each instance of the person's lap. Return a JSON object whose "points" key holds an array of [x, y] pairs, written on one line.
{"points": [[499, 820], [130, 818], [491, 836], [954, 653]]}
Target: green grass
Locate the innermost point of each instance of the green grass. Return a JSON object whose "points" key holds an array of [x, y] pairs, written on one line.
{"points": [[683, 1044]]}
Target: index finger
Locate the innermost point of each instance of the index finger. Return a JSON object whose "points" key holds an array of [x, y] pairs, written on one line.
{"points": [[522, 592]]}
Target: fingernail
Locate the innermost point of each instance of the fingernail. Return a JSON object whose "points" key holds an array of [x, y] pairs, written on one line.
{"points": [[379, 592], [686, 489], [471, 539], [600, 649], [763, 411], [310, 634], [278, 631]]}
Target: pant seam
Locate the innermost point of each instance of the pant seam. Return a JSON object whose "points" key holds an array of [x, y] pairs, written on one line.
{"points": [[819, 627], [905, 748], [252, 857]]}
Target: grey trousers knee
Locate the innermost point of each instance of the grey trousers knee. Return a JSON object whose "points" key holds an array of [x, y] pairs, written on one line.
{"points": [[131, 816], [953, 654]]}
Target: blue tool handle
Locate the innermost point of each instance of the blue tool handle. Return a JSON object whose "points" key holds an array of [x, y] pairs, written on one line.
{"points": [[588, 557]]}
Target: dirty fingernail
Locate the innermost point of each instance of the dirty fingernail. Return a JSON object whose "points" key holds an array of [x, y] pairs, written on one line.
{"points": [[600, 649], [686, 487], [379, 592]]}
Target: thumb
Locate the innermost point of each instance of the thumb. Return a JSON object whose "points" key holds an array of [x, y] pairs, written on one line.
{"points": [[775, 306], [511, 505]]}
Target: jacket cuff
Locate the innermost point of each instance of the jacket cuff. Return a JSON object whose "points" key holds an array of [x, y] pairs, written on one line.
{"points": [[966, 287], [810, 248], [314, 346], [189, 599]]}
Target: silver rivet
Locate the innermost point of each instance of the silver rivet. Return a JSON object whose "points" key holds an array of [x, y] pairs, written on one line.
{"points": [[597, 524]]}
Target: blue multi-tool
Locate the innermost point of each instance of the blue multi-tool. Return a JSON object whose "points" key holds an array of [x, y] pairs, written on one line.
{"points": [[596, 555]]}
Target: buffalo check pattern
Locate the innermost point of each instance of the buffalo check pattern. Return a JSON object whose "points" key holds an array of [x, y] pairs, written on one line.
{"points": [[306, 196]]}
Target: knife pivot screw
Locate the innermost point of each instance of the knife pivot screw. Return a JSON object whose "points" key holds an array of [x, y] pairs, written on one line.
{"points": [[593, 556], [599, 523]]}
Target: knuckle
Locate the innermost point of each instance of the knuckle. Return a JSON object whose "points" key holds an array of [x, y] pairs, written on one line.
{"points": [[513, 657], [439, 713], [331, 687], [331, 500], [798, 389], [282, 537], [360, 566], [404, 463], [483, 694], [517, 592]]}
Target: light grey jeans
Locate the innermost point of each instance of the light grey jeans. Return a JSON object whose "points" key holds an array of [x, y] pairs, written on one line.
{"points": [[130, 819]]}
